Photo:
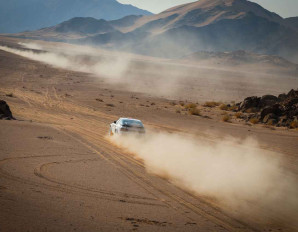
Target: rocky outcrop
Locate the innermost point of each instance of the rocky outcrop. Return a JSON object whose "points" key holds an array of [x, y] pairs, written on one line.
{"points": [[5, 112], [269, 109]]}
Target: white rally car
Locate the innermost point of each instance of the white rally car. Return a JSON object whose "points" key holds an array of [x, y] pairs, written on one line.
{"points": [[127, 126]]}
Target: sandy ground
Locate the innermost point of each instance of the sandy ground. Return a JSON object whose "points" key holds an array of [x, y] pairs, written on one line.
{"points": [[59, 172]]}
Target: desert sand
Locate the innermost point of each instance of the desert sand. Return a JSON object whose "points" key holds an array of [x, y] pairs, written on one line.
{"points": [[60, 172]]}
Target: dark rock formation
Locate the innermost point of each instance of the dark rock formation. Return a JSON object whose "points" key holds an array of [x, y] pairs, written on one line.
{"points": [[5, 112], [269, 109]]}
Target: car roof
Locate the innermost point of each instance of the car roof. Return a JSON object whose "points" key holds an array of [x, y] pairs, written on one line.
{"points": [[130, 119]]}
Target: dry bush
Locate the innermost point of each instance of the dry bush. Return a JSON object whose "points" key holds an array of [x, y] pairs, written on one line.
{"points": [[98, 99], [191, 106], [178, 111], [110, 105], [181, 103], [238, 115], [224, 107], [254, 120], [211, 104], [194, 111], [173, 103], [9, 95], [294, 125], [270, 122], [251, 110], [233, 107], [153, 103], [226, 118]]}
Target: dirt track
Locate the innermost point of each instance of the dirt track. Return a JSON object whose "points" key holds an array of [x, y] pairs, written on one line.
{"points": [[60, 171]]}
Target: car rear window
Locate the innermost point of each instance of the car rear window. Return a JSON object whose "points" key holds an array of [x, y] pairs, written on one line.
{"points": [[135, 123]]}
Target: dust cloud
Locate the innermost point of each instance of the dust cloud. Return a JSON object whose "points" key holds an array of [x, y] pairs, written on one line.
{"points": [[171, 79], [75, 60], [239, 174]]}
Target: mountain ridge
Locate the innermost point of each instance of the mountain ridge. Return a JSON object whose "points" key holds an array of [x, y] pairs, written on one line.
{"points": [[18, 15], [215, 26]]}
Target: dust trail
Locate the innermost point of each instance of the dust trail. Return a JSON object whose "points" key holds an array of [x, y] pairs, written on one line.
{"points": [[111, 67], [171, 79], [237, 173]]}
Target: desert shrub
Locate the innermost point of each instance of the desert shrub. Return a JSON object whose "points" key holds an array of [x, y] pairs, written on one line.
{"points": [[270, 122], [110, 105], [178, 111], [181, 103], [238, 115], [233, 108], [224, 107], [294, 125], [211, 104], [254, 120], [194, 111], [173, 103], [191, 106], [98, 99], [251, 110], [226, 118], [9, 95], [153, 103]]}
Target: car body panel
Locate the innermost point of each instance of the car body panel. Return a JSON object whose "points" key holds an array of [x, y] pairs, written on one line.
{"points": [[127, 126]]}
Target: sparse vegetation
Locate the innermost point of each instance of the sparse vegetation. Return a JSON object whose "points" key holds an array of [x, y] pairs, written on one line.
{"points": [[9, 95], [226, 118], [173, 103], [270, 122], [223, 107], [181, 103], [251, 110], [238, 115], [294, 125], [211, 104], [178, 111], [194, 111], [191, 106], [98, 99], [254, 120], [110, 105], [153, 104]]}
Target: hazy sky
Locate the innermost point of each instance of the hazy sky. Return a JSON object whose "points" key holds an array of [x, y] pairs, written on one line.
{"points": [[285, 8]]}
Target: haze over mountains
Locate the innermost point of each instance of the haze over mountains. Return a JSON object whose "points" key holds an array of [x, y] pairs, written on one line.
{"points": [[21, 15], [213, 26]]}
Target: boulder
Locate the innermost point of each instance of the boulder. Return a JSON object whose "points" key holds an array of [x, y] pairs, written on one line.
{"points": [[5, 112], [282, 97], [275, 109], [293, 93], [270, 117], [250, 102], [267, 100]]}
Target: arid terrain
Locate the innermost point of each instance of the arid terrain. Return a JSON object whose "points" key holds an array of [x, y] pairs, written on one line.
{"points": [[60, 171]]}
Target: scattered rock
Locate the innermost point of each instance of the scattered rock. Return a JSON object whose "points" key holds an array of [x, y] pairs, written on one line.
{"points": [[275, 109], [5, 112], [249, 102], [269, 109], [267, 100], [269, 117]]}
